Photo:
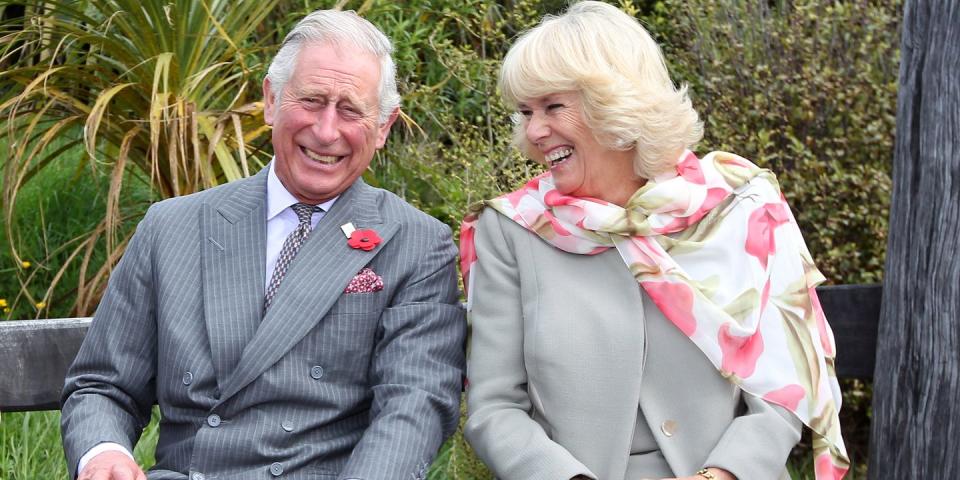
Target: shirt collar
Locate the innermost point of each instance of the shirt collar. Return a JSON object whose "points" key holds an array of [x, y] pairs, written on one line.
{"points": [[279, 198]]}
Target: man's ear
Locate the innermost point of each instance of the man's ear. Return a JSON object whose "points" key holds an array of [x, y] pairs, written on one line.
{"points": [[384, 129], [269, 102]]}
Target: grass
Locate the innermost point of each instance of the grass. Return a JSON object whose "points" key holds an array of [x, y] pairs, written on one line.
{"points": [[30, 447], [65, 200]]}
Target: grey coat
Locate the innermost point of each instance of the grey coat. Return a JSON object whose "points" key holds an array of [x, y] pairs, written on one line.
{"points": [[325, 385], [566, 350]]}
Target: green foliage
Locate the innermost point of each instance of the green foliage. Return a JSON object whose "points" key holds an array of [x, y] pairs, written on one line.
{"points": [[453, 147], [456, 460], [30, 446], [62, 203], [164, 92], [808, 89]]}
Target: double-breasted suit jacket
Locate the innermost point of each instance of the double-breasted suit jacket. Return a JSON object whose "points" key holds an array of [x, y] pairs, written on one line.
{"points": [[569, 358], [323, 385]]}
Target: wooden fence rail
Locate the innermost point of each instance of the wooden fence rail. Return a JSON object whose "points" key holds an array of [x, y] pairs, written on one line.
{"points": [[35, 354]]}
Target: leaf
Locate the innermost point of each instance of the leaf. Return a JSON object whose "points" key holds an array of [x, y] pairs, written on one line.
{"points": [[96, 116]]}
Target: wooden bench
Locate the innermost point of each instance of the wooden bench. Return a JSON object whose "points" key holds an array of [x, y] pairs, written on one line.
{"points": [[35, 354]]}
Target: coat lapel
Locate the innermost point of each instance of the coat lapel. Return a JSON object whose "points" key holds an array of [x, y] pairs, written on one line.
{"points": [[233, 262], [317, 277]]}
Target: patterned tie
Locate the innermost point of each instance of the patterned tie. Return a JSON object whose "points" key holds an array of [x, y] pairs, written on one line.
{"points": [[290, 248]]}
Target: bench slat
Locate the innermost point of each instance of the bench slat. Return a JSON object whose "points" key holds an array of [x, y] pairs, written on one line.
{"points": [[35, 354], [854, 315], [34, 357]]}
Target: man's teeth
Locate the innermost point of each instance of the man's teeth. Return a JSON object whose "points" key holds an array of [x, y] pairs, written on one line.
{"points": [[328, 159], [559, 155]]}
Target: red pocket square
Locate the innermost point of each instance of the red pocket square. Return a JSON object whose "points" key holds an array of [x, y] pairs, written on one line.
{"points": [[367, 281]]}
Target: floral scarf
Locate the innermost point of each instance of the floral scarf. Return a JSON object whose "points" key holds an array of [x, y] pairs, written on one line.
{"points": [[717, 249]]}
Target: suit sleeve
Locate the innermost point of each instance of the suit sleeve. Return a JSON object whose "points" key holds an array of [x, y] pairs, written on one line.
{"points": [[416, 373], [499, 427], [109, 389], [757, 443]]}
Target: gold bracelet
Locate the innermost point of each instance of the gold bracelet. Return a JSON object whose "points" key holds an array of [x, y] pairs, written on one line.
{"points": [[703, 472]]}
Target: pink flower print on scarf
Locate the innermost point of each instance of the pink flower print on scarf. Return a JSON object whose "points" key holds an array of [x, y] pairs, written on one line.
{"points": [[689, 169], [761, 228], [789, 396], [675, 300], [825, 469], [826, 334], [740, 354], [677, 224]]}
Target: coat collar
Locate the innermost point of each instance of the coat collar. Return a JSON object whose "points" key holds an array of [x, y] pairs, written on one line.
{"points": [[233, 259]]}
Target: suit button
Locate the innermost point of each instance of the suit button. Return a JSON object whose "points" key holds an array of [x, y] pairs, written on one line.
{"points": [[287, 425], [187, 378], [197, 476], [276, 469], [213, 420], [668, 428], [316, 372]]}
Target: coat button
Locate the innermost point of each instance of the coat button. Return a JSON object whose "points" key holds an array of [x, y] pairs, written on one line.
{"points": [[197, 476], [276, 469], [668, 428], [187, 378], [316, 372], [213, 420], [287, 425]]}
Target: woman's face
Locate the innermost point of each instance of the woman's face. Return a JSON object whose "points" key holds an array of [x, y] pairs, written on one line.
{"points": [[559, 137]]}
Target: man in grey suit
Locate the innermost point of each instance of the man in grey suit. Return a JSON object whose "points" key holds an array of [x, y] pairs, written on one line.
{"points": [[295, 324]]}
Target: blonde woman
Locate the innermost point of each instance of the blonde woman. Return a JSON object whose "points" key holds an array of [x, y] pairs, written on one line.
{"points": [[637, 312]]}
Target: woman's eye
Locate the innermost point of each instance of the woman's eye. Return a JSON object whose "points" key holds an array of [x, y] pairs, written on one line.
{"points": [[554, 106], [526, 113]]}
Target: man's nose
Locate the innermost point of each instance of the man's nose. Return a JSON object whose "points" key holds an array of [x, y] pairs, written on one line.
{"points": [[327, 125], [537, 129]]}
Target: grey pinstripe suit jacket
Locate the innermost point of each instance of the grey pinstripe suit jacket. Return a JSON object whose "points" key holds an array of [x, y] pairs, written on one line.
{"points": [[325, 385]]}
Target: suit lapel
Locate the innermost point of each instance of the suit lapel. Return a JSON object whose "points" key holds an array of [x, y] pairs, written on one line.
{"points": [[234, 257], [317, 277]]}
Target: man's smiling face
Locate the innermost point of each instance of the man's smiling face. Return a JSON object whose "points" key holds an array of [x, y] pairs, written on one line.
{"points": [[325, 123]]}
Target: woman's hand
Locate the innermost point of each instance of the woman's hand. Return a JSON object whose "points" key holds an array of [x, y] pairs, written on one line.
{"points": [[718, 473]]}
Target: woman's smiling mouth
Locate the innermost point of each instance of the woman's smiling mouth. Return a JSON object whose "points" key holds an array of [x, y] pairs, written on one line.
{"points": [[557, 156]]}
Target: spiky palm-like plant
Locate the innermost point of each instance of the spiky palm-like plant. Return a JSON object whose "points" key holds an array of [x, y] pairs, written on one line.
{"points": [[159, 91]]}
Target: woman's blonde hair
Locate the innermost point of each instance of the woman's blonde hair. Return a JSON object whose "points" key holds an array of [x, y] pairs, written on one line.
{"points": [[611, 61]]}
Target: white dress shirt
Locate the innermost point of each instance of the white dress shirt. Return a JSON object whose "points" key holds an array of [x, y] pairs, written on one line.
{"points": [[281, 221]]}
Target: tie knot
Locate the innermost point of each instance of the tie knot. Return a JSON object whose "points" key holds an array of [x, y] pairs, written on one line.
{"points": [[304, 211]]}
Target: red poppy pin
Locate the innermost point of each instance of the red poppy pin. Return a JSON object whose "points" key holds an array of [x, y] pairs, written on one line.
{"points": [[365, 239]]}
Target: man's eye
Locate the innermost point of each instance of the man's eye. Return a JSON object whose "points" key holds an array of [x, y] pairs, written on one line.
{"points": [[351, 112]]}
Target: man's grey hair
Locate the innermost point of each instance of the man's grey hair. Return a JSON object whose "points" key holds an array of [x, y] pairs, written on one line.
{"points": [[336, 27]]}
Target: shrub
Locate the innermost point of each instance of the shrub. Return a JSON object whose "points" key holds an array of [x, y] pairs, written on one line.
{"points": [[808, 89]]}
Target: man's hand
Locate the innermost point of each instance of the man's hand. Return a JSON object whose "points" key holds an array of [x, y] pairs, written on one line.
{"points": [[111, 465]]}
